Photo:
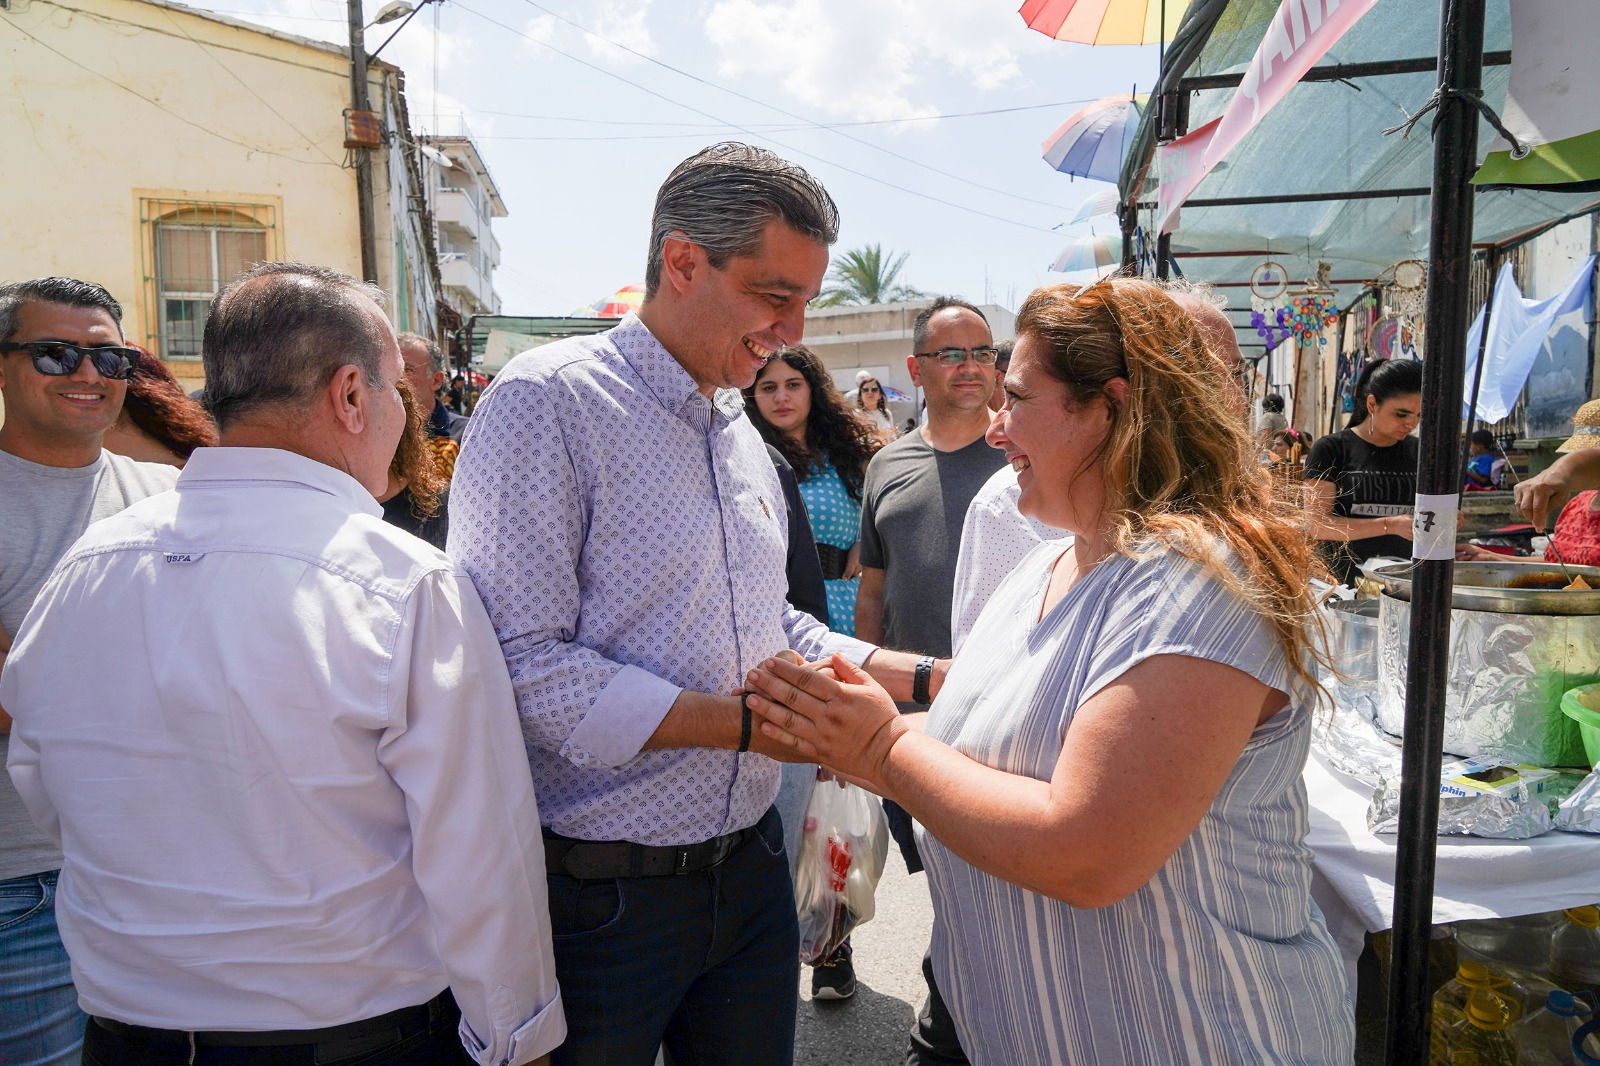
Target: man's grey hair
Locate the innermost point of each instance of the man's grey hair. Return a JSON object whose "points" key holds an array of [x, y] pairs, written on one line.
{"points": [[276, 335], [1199, 291], [69, 291], [722, 197], [435, 353], [919, 325]]}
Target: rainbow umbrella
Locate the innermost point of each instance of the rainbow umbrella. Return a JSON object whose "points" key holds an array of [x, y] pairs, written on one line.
{"points": [[626, 299], [1105, 21], [1093, 142], [1095, 254], [1099, 205]]}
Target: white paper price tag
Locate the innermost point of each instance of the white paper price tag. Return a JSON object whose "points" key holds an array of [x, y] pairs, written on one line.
{"points": [[1433, 526]]}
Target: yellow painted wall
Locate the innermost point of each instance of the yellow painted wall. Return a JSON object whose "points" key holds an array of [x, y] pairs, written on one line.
{"points": [[102, 101]]}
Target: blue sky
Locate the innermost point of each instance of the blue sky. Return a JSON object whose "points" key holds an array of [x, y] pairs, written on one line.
{"points": [[581, 107]]}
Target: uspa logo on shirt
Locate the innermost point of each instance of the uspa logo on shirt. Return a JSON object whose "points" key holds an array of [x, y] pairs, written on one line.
{"points": [[184, 557]]}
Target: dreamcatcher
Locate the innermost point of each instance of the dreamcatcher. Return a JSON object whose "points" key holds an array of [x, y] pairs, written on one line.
{"points": [[1269, 317], [1399, 332], [1313, 309]]}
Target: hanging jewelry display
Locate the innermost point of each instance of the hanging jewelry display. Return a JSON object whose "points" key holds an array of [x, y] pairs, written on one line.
{"points": [[1268, 315]]}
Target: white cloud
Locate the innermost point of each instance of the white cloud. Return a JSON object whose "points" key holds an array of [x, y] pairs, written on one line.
{"points": [[619, 28], [867, 59]]}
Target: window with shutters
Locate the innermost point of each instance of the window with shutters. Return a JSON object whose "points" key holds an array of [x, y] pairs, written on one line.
{"points": [[194, 248]]}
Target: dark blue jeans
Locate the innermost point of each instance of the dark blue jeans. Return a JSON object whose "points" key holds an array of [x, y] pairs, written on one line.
{"points": [[707, 963], [40, 1023]]}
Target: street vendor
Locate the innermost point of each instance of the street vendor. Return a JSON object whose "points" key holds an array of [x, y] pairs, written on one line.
{"points": [[1574, 477], [1361, 482]]}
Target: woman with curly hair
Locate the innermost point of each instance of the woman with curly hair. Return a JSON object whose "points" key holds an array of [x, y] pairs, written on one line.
{"points": [[800, 412], [159, 423], [1108, 784]]}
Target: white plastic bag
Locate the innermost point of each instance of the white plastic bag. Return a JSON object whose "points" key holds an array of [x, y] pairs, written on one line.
{"points": [[842, 851]]}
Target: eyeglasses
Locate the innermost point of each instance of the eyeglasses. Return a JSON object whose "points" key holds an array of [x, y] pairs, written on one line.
{"points": [[58, 358], [870, 388], [957, 356]]}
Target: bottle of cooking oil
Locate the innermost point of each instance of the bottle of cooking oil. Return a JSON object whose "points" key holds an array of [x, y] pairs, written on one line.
{"points": [[1475, 1034], [1575, 951]]}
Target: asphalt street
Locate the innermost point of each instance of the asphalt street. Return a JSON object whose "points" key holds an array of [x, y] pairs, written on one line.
{"points": [[870, 1029]]}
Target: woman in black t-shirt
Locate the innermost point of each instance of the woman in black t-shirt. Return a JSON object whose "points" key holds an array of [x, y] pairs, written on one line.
{"points": [[1361, 482]]}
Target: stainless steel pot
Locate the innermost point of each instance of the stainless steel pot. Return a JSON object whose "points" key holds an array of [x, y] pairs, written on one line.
{"points": [[1513, 653]]}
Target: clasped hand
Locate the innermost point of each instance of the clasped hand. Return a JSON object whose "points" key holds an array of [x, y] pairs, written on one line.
{"points": [[832, 713]]}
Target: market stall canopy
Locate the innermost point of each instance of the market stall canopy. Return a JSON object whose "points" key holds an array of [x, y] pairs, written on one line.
{"points": [[492, 340], [1317, 181]]}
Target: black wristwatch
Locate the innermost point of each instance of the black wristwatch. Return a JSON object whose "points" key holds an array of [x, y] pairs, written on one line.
{"points": [[919, 681]]}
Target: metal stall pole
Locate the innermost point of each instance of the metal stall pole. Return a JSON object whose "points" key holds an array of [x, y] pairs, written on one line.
{"points": [[1455, 153], [1491, 269]]}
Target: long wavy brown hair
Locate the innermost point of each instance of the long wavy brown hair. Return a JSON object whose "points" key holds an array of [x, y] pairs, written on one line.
{"points": [[834, 429], [413, 461], [157, 404], [1177, 465]]}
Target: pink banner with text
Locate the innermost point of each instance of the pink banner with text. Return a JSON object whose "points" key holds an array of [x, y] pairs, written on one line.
{"points": [[1299, 34]]}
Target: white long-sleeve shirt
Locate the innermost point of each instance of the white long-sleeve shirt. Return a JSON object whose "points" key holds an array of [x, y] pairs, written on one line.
{"points": [[278, 745]]}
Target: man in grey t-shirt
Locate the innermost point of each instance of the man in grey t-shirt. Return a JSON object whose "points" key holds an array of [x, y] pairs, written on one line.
{"points": [[912, 508], [62, 375]]}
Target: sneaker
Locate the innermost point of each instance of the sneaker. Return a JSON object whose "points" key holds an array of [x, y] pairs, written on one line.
{"points": [[834, 978]]}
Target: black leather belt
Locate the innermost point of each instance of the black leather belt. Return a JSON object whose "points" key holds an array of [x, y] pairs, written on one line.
{"points": [[833, 560], [589, 860], [333, 1042]]}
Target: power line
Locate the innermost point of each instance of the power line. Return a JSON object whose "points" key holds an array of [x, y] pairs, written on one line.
{"points": [[264, 102], [162, 107], [810, 123], [750, 132]]}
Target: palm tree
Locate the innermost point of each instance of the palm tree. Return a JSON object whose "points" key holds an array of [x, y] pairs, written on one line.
{"points": [[865, 276]]}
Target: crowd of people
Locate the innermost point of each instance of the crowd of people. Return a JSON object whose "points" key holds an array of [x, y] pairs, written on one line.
{"points": [[342, 728]]}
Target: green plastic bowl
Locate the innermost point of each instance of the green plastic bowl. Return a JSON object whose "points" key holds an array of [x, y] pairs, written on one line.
{"points": [[1587, 718]]}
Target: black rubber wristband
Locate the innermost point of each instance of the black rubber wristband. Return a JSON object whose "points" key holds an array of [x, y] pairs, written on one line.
{"points": [[744, 723], [919, 681]]}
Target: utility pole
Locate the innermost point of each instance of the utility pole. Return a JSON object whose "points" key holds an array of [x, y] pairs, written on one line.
{"points": [[362, 133]]}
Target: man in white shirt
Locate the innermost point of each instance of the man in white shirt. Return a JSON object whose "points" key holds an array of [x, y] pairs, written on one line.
{"points": [[290, 793]]}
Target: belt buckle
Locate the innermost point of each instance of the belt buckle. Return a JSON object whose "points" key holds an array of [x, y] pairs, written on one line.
{"points": [[681, 856]]}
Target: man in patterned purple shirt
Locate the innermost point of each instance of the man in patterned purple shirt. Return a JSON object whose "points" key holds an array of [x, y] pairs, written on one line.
{"points": [[627, 531]]}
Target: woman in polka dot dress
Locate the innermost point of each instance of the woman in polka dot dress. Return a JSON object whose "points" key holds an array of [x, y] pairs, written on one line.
{"points": [[800, 412], [828, 442]]}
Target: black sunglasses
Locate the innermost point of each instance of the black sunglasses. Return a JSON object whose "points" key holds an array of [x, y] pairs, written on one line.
{"points": [[58, 358]]}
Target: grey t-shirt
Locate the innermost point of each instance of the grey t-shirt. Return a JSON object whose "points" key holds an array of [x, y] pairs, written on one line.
{"points": [[912, 507], [43, 510]]}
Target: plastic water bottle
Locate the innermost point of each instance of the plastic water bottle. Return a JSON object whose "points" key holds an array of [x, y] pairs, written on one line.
{"points": [[1575, 951], [1544, 1036], [1475, 1035]]}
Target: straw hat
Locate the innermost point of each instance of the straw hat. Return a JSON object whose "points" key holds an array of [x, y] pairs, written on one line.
{"points": [[1585, 429]]}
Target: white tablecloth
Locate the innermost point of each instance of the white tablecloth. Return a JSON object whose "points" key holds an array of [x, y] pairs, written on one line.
{"points": [[1474, 877]]}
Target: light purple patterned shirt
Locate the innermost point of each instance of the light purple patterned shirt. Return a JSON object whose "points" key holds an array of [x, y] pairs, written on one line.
{"points": [[628, 537]]}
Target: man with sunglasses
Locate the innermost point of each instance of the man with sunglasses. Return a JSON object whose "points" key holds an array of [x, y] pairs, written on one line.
{"points": [[63, 374], [912, 507]]}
